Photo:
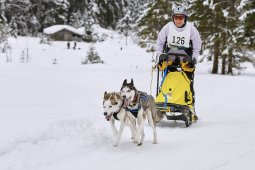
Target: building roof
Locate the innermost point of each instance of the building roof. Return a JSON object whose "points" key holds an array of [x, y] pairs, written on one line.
{"points": [[56, 28]]}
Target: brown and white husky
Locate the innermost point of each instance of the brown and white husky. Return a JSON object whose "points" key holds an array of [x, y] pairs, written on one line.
{"points": [[113, 110]]}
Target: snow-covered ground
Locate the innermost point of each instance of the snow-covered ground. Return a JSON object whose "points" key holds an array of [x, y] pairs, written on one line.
{"points": [[51, 115]]}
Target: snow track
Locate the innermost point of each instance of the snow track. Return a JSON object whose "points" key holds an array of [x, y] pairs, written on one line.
{"points": [[51, 116], [62, 140]]}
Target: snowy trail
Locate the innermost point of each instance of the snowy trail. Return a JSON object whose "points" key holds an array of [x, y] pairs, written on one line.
{"points": [[62, 140], [84, 137], [52, 116]]}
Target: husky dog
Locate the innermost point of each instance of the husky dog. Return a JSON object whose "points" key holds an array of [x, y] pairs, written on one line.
{"points": [[113, 110], [139, 106]]}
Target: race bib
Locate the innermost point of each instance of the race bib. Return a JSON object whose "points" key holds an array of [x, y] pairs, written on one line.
{"points": [[179, 39]]}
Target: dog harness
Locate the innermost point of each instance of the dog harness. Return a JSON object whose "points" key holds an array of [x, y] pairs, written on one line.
{"points": [[116, 113], [143, 101], [134, 111]]}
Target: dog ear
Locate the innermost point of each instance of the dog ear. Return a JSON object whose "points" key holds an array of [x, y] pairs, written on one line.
{"points": [[132, 82], [118, 96], [124, 82]]}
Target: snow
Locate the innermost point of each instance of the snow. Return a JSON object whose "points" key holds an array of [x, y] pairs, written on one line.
{"points": [[243, 3], [55, 28], [225, 13], [97, 30], [80, 31], [244, 15], [52, 115]]}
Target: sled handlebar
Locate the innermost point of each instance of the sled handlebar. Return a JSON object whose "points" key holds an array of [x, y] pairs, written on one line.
{"points": [[173, 60], [174, 57]]}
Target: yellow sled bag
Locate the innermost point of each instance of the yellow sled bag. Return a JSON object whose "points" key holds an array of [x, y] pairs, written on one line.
{"points": [[175, 90]]}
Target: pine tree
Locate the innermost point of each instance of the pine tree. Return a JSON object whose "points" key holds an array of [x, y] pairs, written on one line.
{"points": [[13, 29], [3, 24], [136, 8], [17, 12], [216, 21], [247, 9], [33, 25], [76, 19], [92, 56], [125, 25], [3, 31], [109, 12], [75, 7], [232, 24]]}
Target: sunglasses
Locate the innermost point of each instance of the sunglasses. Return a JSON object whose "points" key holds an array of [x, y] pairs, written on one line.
{"points": [[180, 17]]}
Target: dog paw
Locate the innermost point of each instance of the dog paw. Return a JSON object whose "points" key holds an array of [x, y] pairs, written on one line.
{"points": [[139, 144]]}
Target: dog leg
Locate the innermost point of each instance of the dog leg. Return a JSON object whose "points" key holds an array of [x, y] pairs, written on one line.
{"points": [[114, 130], [142, 138], [132, 125], [122, 125], [152, 124], [141, 122]]}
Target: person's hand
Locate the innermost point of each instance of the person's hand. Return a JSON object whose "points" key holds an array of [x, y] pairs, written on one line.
{"points": [[188, 66], [163, 61], [161, 58], [165, 64]]}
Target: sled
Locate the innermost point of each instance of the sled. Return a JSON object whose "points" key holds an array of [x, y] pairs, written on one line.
{"points": [[174, 97]]}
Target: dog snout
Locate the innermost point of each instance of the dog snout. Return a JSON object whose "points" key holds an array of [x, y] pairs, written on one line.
{"points": [[124, 96], [105, 113]]}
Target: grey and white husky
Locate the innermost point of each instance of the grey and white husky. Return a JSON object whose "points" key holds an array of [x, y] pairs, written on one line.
{"points": [[139, 106], [113, 110]]}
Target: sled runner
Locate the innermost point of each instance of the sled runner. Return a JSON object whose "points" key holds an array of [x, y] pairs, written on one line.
{"points": [[174, 97]]}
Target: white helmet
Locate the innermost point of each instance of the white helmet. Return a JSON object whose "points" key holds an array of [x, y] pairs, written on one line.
{"points": [[179, 10]]}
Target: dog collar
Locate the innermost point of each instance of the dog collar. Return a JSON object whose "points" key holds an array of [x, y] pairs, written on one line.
{"points": [[136, 96]]}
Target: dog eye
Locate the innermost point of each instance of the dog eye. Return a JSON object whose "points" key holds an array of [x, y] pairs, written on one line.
{"points": [[110, 106], [129, 90]]}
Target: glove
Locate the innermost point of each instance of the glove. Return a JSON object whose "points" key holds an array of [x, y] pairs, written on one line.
{"points": [[162, 61], [187, 66], [161, 58], [165, 64]]}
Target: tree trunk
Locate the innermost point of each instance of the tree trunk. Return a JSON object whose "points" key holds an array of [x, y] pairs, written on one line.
{"points": [[230, 62], [223, 67], [223, 43], [216, 57], [38, 12]]}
